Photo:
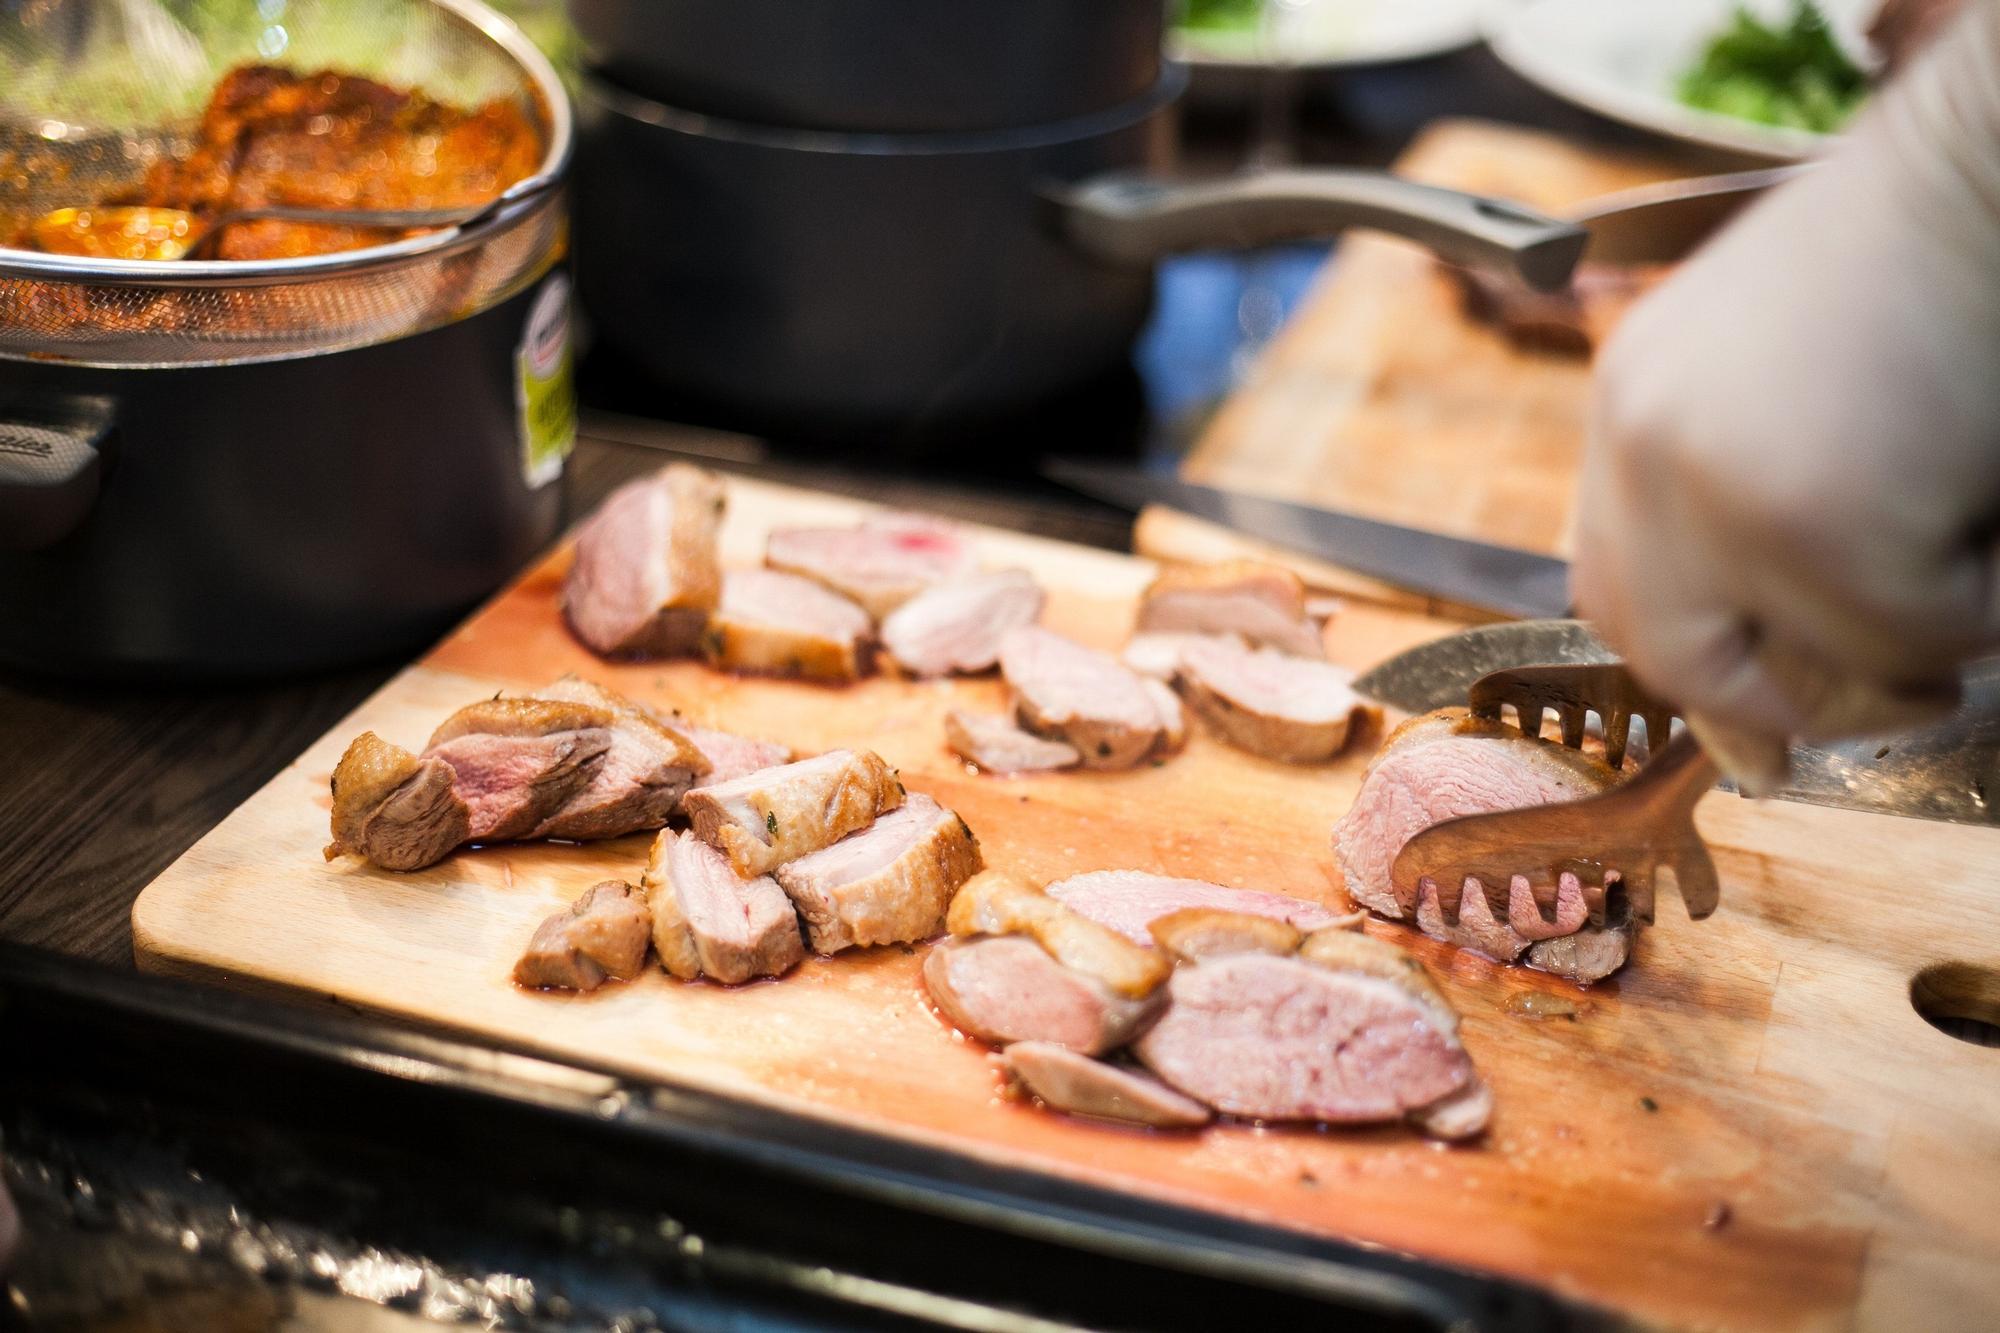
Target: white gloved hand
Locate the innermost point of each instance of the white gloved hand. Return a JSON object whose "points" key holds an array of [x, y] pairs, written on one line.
{"points": [[1789, 509]]}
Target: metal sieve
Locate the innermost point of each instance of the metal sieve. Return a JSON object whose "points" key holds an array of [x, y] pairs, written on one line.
{"points": [[94, 92]]}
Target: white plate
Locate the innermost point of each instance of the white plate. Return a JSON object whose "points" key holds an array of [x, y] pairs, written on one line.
{"points": [[1623, 58], [1331, 34]]}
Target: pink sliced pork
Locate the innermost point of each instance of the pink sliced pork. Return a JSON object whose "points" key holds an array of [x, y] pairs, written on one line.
{"points": [[707, 920], [1273, 704], [1082, 697], [1264, 603], [601, 935], [781, 624], [1007, 988], [1346, 1031], [646, 574], [880, 564], [886, 883], [1130, 901], [517, 762], [997, 745], [956, 626], [1063, 1080], [1158, 653]]}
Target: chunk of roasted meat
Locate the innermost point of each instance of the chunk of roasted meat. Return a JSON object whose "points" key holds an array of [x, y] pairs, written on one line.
{"points": [[1066, 1080], [957, 626], [1272, 703], [1084, 698], [775, 815], [707, 920], [886, 883], [784, 625], [393, 808], [997, 745], [602, 934], [1265, 604], [880, 564], [646, 573], [1129, 901]]}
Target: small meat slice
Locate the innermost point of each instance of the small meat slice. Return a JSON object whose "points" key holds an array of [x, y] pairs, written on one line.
{"points": [[1001, 989], [602, 934], [785, 625], [1273, 704], [646, 573], [1158, 654], [992, 903], [709, 921], [1588, 954], [1440, 766], [1195, 933], [1129, 901], [1063, 1080], [516, 762], [645, 772], [776, 815], [731, 756], [394, 809], [1276, 1038], [1266, 604], [1080, 696], [885, 883], [956, 626], [996, 745], [881, 564]]}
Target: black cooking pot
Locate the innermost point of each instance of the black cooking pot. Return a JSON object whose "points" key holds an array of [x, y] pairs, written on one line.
{"points": [[879, 65], [852, 285]]}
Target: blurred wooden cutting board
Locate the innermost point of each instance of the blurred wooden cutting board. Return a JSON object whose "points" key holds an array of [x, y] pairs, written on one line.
{"points": [[1382, 398]]}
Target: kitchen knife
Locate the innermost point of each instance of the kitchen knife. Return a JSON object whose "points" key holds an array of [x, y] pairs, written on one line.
{"points": [[1662, 223], [1500, 578], [1947, 771]]}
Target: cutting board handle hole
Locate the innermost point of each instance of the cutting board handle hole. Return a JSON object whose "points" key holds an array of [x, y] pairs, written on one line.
{"points": [[1961, 1000]]}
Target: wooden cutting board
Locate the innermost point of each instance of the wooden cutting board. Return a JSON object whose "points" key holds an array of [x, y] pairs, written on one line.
{"points": [[1380, 397], [1749, 1128]]}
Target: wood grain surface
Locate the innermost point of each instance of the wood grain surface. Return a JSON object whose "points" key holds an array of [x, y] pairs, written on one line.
{"points": [[1381, 397], [1749, 1128]]}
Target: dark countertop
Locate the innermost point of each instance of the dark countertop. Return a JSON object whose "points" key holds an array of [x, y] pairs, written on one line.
{"points": [[105, 785]]}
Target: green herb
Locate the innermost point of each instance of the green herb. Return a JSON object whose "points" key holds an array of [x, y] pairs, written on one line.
{"points": [[771, 822], [1219, 15], [1790, 74]]}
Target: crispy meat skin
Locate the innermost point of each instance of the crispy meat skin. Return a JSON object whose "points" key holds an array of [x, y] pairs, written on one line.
{"points": [[602, 934], [1007, 988], [1066, 1081], [394, 809], [327, 140], [886, 883], [992, 903], [646, 573], [779, 814]]}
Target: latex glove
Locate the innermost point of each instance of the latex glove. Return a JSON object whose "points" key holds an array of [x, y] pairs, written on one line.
{"points": [[1788, 510]]}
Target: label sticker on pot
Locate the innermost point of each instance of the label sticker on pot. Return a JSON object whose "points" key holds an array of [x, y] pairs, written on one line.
{"points": [[543, 391]]}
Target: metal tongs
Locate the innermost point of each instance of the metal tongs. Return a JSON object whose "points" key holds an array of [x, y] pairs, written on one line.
{"points": [[1615, 842]]}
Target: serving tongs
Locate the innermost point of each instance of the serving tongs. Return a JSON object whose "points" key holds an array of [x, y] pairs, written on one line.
{"points": [[1615, 842]]}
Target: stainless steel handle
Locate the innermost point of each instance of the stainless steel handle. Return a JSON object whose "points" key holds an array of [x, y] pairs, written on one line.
{"points": [[1136, 219]]}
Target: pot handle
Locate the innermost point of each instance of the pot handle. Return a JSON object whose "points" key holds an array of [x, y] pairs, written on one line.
{"points": [[1136, 219], [52, 460]]}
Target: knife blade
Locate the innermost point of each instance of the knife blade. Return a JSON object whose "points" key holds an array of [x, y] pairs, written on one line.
{"points": [[1948, 771], [1665, 222], [1499, 578]]}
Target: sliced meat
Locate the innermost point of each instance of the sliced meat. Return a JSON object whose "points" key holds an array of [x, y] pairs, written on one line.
{"points": [[1158, 654], [646, 770], [1195, 933], [1085, 698], [1440, 766], [1588, 954], [709, 921], [885, 883], [729, 755], [996, 745], [646, 574], [1266, 604], [992, 903], [1276, 1038], [1007, 988], [785, 625], [776, 815], [1129, 901], [394, 809], [1273, 704], [881, 564], [956, 626], [1066, 1081], [1173, 718], [602, 934], [516, 762]]}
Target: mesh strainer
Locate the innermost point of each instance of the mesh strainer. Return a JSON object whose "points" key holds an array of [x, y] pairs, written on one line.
{"points": [[94, 92]]}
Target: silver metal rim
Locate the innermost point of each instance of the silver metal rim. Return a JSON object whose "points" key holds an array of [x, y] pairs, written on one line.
{"points": [[205, 273]]}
